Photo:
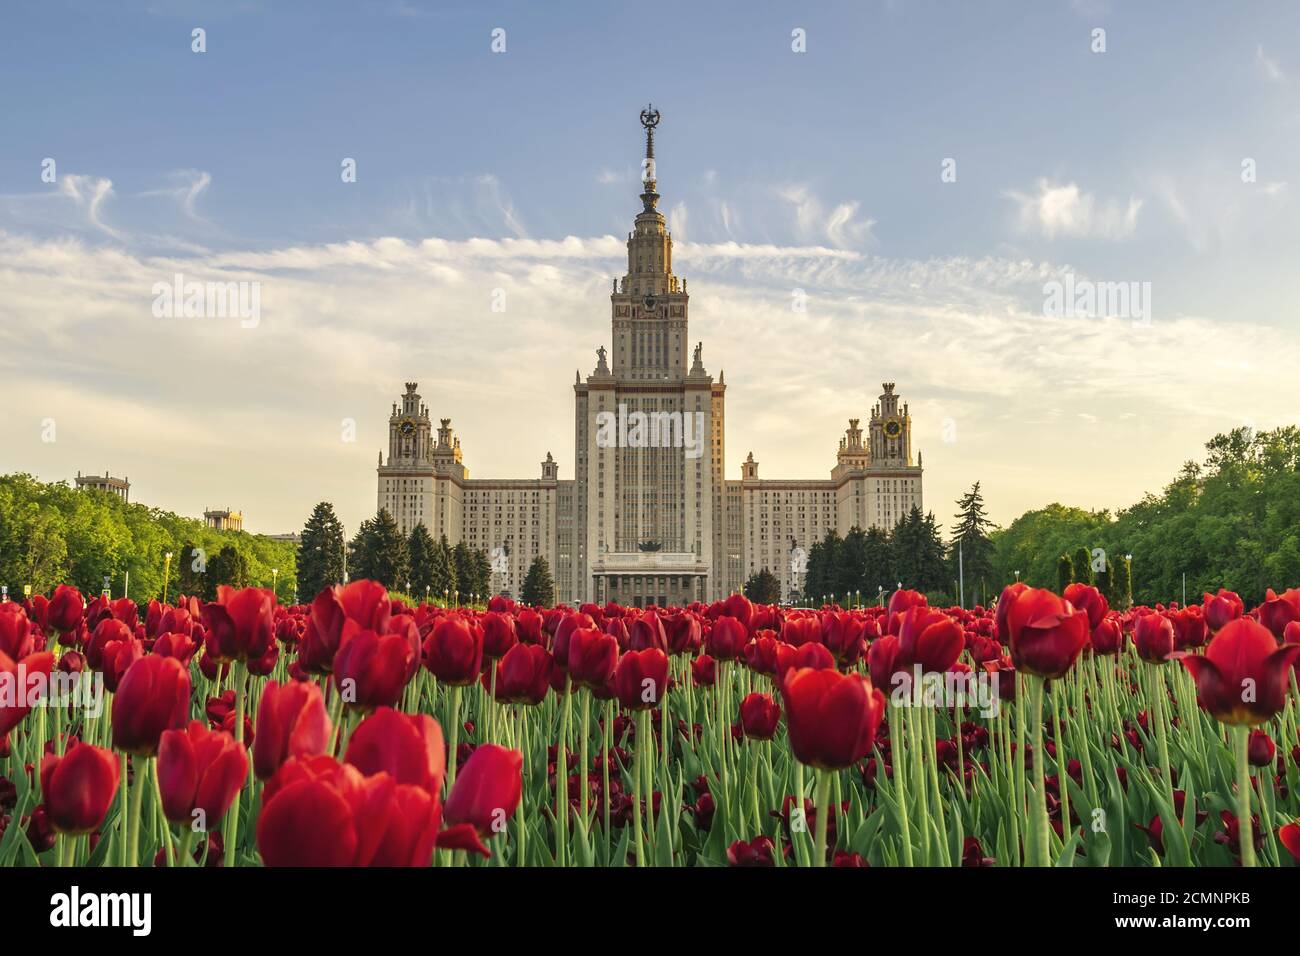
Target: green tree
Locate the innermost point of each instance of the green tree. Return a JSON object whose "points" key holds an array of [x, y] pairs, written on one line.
{"points": [[421, 550], [850, 573], [823, 561], [1064, 572], [481, 574], [228, 566], [442, 575], [763, 587], [919, 559], [378, 552], [320, 552], [1083, 566], [462, 560], [971, 549], [538, 588]]}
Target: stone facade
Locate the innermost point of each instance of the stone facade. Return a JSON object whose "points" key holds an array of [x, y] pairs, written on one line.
{"points": [[649, 517]]}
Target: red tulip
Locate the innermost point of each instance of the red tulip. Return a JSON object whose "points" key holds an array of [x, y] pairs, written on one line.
{"points": [[370, 669], [1289, 836], [498, 634], [842, 633], [812, 654], [78, 788], [593, 655], [646, 632], [486, 793], [831, 717], [1044, 631], [1221, 608], [21, 684], [683, 630], [179, 646], [318, 812], [524, 674], [16, 638], [761, 653], [154, 696], [739, 607], [1189, 627], [883, 660], [641, 678], [1279, 610], [758, 852], [528, 625], [929, 638], [1087, 598], [65, 609], [704, 671], [1260, 749], [291, 722], [759, 716], [408, 747], [1107, 637], [1153, 636], [564, 629], [453, 651], [798, 631], [1008, 597], [1243, 675], [726, 639], [240, 624], [199, 773], [900, 602]]}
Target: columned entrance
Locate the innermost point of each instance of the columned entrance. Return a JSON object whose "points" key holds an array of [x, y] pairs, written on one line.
{"points": [[645, 579]]}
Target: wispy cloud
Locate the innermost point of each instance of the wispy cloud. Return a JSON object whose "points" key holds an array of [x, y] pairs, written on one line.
{"points": [[1056, 210], [1269, 66]]}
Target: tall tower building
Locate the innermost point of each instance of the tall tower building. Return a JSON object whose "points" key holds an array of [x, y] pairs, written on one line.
{"points": [[649, 516], [648, 433]]}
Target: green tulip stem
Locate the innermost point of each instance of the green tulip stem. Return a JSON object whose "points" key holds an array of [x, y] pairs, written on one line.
{"points": [[231, 826], [639, 759], [562, 777], [897, 734], [137, 802], [1042, 826], [453, 734], [1241, 744], [823, 814], [604, 772], [583, 759]]}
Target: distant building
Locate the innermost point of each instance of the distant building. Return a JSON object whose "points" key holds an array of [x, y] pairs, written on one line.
{"points": [[224, 520], [649, 517], [292, 538], [116, 486]]}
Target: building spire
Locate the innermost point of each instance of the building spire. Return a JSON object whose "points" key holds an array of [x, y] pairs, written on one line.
{"points": [[649, 120]]}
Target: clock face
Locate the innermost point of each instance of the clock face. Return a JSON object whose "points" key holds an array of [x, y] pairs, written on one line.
{"points": [[406, 426], [893, 427], [649, 303]]}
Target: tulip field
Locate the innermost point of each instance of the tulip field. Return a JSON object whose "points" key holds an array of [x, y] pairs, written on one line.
{"points": [[1044, 730]]}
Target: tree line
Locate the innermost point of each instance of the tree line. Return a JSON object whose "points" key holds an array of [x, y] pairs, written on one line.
{"points": [[52, 533], [414, 564]]}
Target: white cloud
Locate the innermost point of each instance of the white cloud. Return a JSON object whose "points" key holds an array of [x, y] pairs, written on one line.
{"points": [[202, 411], [1066, 211], [1269, 66], [840, 226]]}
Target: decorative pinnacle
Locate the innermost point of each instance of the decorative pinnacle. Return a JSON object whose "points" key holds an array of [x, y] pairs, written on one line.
{"points": [[649, 120]]}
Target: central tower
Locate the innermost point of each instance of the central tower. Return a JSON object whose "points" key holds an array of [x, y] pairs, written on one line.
{"points": [[649, 303], [648, 476]]}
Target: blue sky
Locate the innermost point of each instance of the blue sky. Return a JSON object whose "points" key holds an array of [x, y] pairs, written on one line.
{"points": [[780, 170]]}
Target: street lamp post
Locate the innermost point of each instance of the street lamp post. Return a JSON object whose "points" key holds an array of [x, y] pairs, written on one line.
{"points": [[1017, 576], [275, 575], [167, 570]]}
